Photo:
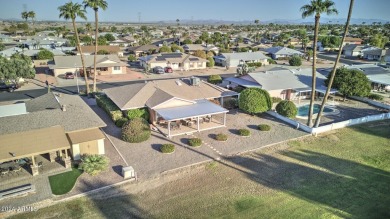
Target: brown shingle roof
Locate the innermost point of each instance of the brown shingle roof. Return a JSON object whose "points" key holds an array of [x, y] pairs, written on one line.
{"points": [[85, 136]]}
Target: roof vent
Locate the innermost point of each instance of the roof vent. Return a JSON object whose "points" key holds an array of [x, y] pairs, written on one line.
{"points": [[195, 81], [63, 108], [178, 83]]}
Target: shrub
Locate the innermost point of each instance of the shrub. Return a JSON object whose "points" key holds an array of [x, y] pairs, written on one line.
{"points": [[295, 61], [271, 61], [214, 79], [138, 113], [103, 52], [120, 122], [255, 64], [45, 54], [238, 89], [167, 148], [109, 107], [221, 137], [230, 103], [255, 100], [244, 132], [276, 99], [287, 108], [195, 142], [132, 58], [210, 62], [136, 130], [290, 46], [375, 97], [93, 164], [264, 127]]}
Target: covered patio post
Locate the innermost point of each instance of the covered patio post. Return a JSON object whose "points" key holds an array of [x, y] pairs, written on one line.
{"points": [[169, 129], [224, 119], [34, 167], [198, 124], [66, 160]]}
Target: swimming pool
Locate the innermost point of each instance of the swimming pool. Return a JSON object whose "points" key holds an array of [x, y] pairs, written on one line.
{"points": [[304, 110]]}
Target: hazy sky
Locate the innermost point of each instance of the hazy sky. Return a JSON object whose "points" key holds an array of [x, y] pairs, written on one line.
{"points": [[158, 10]]}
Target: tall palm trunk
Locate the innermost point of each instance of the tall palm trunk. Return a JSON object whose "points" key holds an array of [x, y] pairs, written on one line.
{"points": [[82, 56], [96, 47], [314, 71], [317, 123]]}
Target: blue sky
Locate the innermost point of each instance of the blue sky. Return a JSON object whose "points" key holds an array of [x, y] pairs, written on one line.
{"points": [[159, 10]]}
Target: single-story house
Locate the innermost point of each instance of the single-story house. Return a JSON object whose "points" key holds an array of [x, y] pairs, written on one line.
{"points": [[374, 54], [191, 48], [282, 52], [352, 40], [60, 126], [119, 42], [144, 49], [105, 64], [378, 76], [355, 50], [234, 59], [90, 50], [176, 106], [289, 84], [177, 61]]}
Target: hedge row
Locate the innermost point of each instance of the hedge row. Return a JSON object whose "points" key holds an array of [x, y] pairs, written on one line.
{"points": [[109, 107], [255, 64]]}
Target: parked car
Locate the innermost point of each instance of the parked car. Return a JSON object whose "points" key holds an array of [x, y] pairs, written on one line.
{"points": [[69, 75], [168, 70], [8, 87], [158, 70]]}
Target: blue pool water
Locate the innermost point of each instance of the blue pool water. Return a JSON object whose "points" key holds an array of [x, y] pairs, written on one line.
{"points": [[304, 110]]}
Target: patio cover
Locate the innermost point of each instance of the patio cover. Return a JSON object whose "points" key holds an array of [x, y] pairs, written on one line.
{"points": [[85, 136], [321, 89], [200, 108], [34, 142]]}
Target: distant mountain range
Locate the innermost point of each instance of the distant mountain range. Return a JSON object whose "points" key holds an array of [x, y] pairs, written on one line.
{"points": [[219, 22]]}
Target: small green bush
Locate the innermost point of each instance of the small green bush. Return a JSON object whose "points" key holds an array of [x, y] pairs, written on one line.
{"points": [[136, 130], [287, 108], [195, 142], [264, 127], [93, 164], [210, 62], [167, 148], [138, 113], [244, 132], [109, 107], [295, 61], [132, 58], [375, 97], [255, 64], [214, 79], [271, 61], [276, 99], [120, 122], [230, 103], [221, 137]]}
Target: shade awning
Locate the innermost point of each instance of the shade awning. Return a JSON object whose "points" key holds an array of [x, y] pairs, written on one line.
{"points": [[25, 144], [200, 108], [321, 89]]}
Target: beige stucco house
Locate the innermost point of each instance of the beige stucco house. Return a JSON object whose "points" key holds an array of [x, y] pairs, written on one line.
{"points": [[177, 61]]}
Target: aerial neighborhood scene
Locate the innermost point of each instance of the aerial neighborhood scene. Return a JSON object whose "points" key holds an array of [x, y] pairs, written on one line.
{"points": [[195, 109]]}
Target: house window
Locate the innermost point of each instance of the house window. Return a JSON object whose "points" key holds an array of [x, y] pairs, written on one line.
{"points": [[104, 69], [117, 68], [200, 64], [191, 64]]}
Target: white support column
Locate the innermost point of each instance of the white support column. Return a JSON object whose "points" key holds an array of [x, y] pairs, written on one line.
{"points": [[169, 129], [221, 101], [198, 124], [224, 119]]}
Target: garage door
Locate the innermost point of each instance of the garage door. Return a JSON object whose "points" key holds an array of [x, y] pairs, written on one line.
{"points": [[90, 147]]}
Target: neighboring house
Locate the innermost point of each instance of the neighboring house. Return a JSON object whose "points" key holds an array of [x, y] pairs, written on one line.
{"points": [[30, 52], [352, 40], [105, 65], [374, 54], [355, 50], [162, 42], [145, 49], [90, 50], [191, 48], [234, 59], [119, 42], [59, 126], [176, 106], [282, 52], [379, 77], [289, 84], [177, 61]]}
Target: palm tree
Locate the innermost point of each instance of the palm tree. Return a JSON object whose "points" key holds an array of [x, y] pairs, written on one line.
{"points": [[95, 5], [24, 15], [257, 24], [332, 75], [316, 7], [70, 11], [88, 28], [178, 24], [31, 14], [93, 164]]}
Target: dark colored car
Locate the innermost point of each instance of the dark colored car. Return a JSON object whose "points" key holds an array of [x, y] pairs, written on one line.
{"points": [[168, 70], [8, 87], [69, 75], [158, 70]]}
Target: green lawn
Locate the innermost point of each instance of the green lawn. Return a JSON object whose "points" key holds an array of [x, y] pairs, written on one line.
{"points": [[344, 174], [62, 183]]}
